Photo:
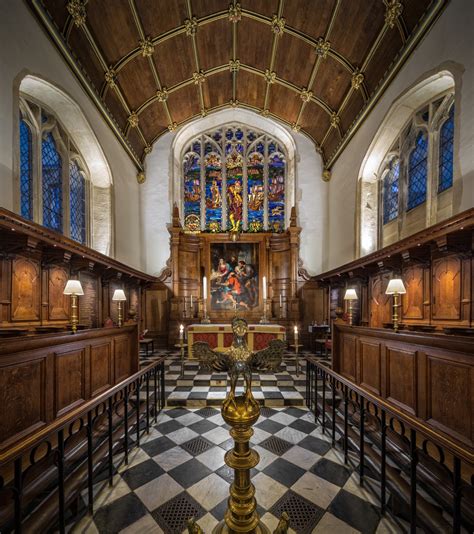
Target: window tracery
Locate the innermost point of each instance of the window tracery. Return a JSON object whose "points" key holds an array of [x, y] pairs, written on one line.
{"points": [[234, 179]]}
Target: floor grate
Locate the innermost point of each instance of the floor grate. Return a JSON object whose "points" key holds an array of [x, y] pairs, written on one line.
{"points": [[303, 514], [197, 446], [207, 412], [174, 514], [276, 445]]}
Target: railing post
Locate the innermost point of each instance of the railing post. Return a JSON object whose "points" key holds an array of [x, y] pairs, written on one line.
{"points": [[18, 494], [90, 465], [333, 426], [361, 441], [60, 459], [383, 454], [110, 440], [162, 371], [324, 402], [457, 494], [413, 464], [308, 381], [155, 397], [137, 388], [125, 422], [346, 424], [147, 401]]}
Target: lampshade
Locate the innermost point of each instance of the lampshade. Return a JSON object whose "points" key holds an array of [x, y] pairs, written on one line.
{"points": [[350, 294], [73, 287], [395, 286], [119, 295]]}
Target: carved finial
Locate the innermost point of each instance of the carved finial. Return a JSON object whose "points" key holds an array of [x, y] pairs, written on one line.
{"points": [[77, 10], [234, 65], [335, 120], [357, 79], [394, 10], [175, 219], [147, 46], [199, 77], [306, 95], [293, 216], [110, 77], [235, 13], [322, 48], [141, 177], [133, 119], [278, 25], [270, 76], [162, 95], [190, 26], [172, 126]]}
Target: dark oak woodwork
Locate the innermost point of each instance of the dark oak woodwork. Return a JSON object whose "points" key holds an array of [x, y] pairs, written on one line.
{"points": [[44, 377], [427, 376]]}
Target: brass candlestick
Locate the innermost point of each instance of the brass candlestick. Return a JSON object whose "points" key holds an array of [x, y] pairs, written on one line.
{"points": [[395, 287], [74, 314], [264, 319], [73, 288], [205, 319], [350, 295]]}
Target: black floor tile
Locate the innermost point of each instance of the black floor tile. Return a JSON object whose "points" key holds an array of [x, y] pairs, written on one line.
{"points": [[295, 412], [219, 510], [303, 426], [142, 473], [119, 514], [171, 426], [227, 445], [206, 412], [270, 426], [189, 473], [201, 427], [285, 472], [266, 411], [177, 412], [226, 473], [199, 395], [335, 473], [157, 446], [358, 513], [315, 445]]}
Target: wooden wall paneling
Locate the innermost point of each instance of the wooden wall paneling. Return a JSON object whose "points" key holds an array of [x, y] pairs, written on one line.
{"points": [[58, 303], [413, 301], [26, 290], [401, 376], [101, 370], [156, 310], [446, 284], [369, 366], [364, 304], [71, 380], [121, 361], [5, 290], [380, 303], [89, 303], [348, 359], [466, 291]]}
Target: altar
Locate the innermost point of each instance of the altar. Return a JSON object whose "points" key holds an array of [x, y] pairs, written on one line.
{"points": [[219, 336]]}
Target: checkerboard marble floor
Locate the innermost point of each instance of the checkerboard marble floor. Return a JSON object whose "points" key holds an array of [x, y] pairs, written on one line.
{"points": [[179, 472]]}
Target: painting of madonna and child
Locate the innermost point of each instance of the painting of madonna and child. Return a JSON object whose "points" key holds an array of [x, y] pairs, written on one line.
{"points": [[234, 276]]}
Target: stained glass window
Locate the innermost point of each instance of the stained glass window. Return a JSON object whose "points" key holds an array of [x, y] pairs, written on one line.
{"points": [[446, 138], [26, 171], [417, 172], [390, 192], [244, 176], [77, 196], [51, 166]]}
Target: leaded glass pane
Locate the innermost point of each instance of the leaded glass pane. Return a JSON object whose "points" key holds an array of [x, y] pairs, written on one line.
{"points": [[234, 167], [77, 202], [446, 153], [390, 192], [256, 193], [192, 190], [417, 172], [276, 193], [26, 171], [213, 173], [51, 165]]}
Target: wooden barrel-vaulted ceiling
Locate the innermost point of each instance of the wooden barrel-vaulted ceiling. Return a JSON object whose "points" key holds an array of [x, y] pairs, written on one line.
{"points": [[316, 65]]}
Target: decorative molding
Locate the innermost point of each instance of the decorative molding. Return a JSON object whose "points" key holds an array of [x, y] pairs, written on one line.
{"points": [[357, 79], [270, 76], [335, 120], [235, 13], [203, 112], [162, 96], [147, 150], [199, 77], [295, 127], [234, 102], [110, 77], [77, 10], [278, 25], [234, 65], [306, 95], [393, 12], [172, 126], [141, 178], [265, 112], [190, 26], [326, 175], [322, 48], [146, 46], [133, 119]]}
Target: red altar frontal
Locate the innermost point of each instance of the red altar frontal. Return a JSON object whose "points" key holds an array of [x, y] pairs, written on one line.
{"points": [[219, 336]]}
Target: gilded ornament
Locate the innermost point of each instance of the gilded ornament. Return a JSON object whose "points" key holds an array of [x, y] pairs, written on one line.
{"points": [[172, 127], [265, 112], [133, 120], [141, 177], [326, 175], [147, 149], [234, 65], [199, 77], [235, 13], [270, 76], [394, 10], [162, 95], [295, 127], [190, 26], [234, 102], [110, 77], [335, 120], [306, 95], [357, 79], [203, 112], [147, 47], [322, 48], [278, 25], [77, 10]]}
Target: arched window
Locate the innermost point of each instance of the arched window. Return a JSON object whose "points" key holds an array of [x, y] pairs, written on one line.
{"points": [[390, 191], [61, 180], [417, 172], [26, 171], [234, 179], [446, 139]]}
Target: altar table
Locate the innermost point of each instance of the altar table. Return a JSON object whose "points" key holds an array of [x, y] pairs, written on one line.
{"points": [[219, 336]]}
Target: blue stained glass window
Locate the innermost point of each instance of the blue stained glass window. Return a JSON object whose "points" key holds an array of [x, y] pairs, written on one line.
{"points": [[417, 172], [390, 192], [239, 134], [77, 192], [446, 153], [276, 193], [26, 171], [52, 184]]}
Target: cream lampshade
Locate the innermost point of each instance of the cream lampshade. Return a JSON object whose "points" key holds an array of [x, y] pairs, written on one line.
{"points": [[395, 287], [119, 297], [350, 295], [74, 289]]}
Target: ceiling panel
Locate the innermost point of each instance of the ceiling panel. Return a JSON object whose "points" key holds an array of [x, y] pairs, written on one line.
{"points": [[308, 16], [254, 43], [137, 82], [294, 60], [151, 15], [214, 44], [218, 89], [351, 110], [174, 60], [153, 119], [314, 120], [184, 103], [284, 103], [251, 89], [332, 83]]}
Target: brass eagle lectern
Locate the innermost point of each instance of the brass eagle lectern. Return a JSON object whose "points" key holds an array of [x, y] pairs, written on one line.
{"points": [[241, 412]]}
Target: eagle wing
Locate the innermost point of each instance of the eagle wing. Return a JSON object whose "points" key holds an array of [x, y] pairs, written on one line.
{"points": [[210, 359], [268, 359]]}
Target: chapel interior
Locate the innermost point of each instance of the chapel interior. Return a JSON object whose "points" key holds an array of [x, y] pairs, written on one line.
{"points": [[236, 266]]}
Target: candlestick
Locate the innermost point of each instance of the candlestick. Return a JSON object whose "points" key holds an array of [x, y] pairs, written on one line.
{"points": [[204, 287], [296, 351], [181, 331], [264, 288]]}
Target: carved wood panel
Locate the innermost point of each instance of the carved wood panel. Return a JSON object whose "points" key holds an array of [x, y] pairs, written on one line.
{"points": [[401, 378], [447, 288], [70, 380], [89, 302], [26, 290], [348, 363], [100, 368], [412, 301], [380, 311], [370, 372], [122, 362], [156, 304], [58, 304]]}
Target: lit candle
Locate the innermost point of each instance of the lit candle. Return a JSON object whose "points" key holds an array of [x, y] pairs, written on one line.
{"points": [[264, 288], [281, 302], [204, 287], [296, 335], [181, 331]]}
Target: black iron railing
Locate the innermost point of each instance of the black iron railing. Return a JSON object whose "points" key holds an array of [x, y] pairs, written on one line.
{"points": [[415, 466], [42, 477]]}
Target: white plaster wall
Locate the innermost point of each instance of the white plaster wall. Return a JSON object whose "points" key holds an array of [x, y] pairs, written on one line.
{"points": [[162, 187], [449, 43], [25, 49]]}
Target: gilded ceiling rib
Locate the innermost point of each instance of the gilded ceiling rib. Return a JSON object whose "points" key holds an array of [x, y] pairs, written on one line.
{"points": [[198, 79]]}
